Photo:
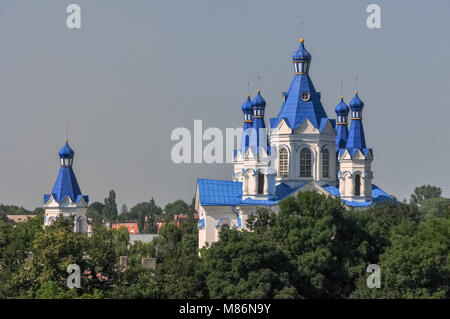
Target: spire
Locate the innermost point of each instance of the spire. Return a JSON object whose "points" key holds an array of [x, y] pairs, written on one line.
{"points": [[301, 59], [302, 101], [247, 109], [66, 184], [356, 139], [342, 111], [259, 126]]}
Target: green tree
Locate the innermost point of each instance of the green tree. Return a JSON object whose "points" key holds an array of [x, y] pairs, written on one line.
{"points": [[94, 212], [417, 264], [124, 209], [179, 272], [53, 249], [424, 192], [328, 248], [261, 221], [146, 214], [249, 265], [434, 207], [110, 210], [178, 207]]}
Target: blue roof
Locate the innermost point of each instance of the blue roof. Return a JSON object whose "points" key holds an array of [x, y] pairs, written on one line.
{"points": [[229, 193], [66, 151], [294, 110], [342, 108], [378, 196], [259, 126], [356, 138], [301, 54], [259, 101], [341, 136], [247, 106], [66, 184], [356, 104]]}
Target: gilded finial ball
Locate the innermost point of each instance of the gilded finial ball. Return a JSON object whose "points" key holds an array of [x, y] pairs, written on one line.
{"points": [[302, 40], [356, 92], [67, 140], [248, 95], [259, 90], [342, 97]]}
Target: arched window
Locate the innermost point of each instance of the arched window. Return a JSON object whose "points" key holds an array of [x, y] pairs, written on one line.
{"points": [[260, 183], [357, 185], [283, 163], [305, 163], [326, 164]]}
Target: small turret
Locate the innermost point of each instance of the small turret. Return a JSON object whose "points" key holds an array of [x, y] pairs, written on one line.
{"points": [[342, 111], [66, 198]]}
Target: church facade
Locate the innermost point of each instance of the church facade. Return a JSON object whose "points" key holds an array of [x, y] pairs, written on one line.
{"points": [[302, 149], [66, 198]]}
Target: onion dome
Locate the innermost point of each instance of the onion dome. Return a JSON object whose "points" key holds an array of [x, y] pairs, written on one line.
{"points": [[301, 54], [66, 151], [247, 106], [258, 101], [342, 108], [356, 104]]}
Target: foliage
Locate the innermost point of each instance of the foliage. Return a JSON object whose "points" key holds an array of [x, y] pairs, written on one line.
{"points": [[434, 207], [248, 265], [146, 214], [109, 211], [417, 264], [313, 247], [425, 192], [176, 208]]}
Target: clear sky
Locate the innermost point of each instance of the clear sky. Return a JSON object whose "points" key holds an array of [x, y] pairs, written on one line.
{"points": [[138, 69]]}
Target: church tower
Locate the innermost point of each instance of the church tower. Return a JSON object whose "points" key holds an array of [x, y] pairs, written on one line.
{"points": [[355, 174], [301, 134], [258, 176], [239, 154], [66, 198]]}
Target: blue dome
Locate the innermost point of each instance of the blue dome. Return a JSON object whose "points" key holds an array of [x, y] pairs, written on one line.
{"points": [[66, 151], [356, 104], [301, 54], [342, 108], [247, 106], [258, 101]]}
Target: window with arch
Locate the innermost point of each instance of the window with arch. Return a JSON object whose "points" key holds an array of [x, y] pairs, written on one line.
{"points": [[357, 185], [283, 163], [326, 164], [260, 183], [305, 163]]}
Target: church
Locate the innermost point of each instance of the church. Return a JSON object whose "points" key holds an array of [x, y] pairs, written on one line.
{"points": [[66, 198], [302, 149]]}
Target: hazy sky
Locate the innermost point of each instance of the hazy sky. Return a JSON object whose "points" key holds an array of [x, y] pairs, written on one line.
{"points": [[138, 69]]}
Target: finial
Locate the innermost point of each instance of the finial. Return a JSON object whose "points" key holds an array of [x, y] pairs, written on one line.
{"points": [[302, 40], [342, 97], [248, 95], [259, 90], [356, 92], [67, 140]]}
